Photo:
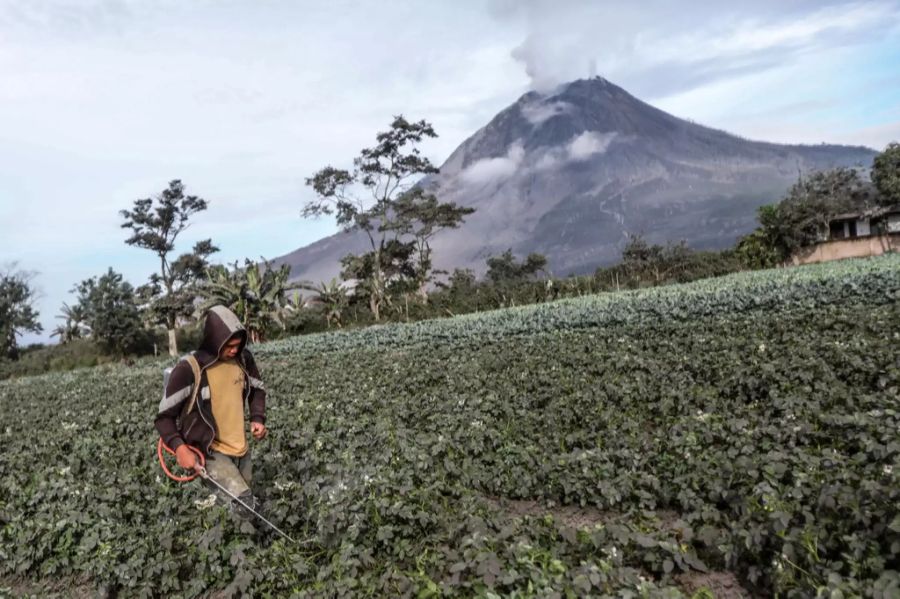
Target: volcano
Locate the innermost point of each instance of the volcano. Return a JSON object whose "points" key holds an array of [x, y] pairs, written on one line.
{"points": [[571, 173]]}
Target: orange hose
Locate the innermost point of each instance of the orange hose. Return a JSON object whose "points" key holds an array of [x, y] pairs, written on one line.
{"points": [[181, 479]]}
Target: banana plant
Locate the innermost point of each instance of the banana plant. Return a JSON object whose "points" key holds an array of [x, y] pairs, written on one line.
{"points": [[257, 293], [333, 299]]}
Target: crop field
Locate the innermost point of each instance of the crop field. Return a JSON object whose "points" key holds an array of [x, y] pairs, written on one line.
{"points": [[727, 438]]}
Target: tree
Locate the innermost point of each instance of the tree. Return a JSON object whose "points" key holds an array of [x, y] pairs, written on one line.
{"points": [[156, 224], [420, 215], [110, 310], [505, 269], [333, 299], [763, 247], [656, 263], [391, 213], [256, 293], [460, 293], [640, 257], [802, 217], [17, 313], [74, 326], [886, 175], [395, 265]]}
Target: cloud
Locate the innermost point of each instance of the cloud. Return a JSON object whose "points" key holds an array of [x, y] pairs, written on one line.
{"points": [[538, 112], [488, 170], [877, 137], [549, 160], [516, 162], [688, 44], [587, 144], [581, 147], [79, 18]]}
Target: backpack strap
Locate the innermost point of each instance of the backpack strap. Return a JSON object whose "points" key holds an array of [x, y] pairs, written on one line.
{"points": [[195, 366]]}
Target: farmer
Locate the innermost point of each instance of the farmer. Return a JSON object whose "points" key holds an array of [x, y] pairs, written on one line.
{"points": [[216, 426]]}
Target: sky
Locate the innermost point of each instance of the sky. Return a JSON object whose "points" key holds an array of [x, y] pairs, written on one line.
{"points": [[103, 102]]}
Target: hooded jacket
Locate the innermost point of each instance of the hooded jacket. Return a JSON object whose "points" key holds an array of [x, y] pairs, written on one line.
{"points": [[199, 427]]}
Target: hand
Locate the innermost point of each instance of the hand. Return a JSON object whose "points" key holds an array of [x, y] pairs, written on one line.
{"points": [[186, 458], [258, 430]]}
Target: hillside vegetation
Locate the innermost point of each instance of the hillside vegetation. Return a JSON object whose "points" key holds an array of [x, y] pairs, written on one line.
{"points": [[737, 435]]}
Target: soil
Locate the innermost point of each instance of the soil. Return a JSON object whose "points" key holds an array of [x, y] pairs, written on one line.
{"points": [[573, 516], [722, 585], [49, 589]]}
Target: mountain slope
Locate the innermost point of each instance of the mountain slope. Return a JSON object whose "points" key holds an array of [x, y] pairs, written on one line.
{"points": [[571, 173]]}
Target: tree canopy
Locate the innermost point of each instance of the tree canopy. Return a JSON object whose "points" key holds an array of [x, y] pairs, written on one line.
{"points": [[506, 269], [886, 175], [155, 225], [380, 197], [802, 217], [109, 309], [17, 312]]}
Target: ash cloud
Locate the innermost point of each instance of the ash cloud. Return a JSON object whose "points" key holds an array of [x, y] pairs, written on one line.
{"points": [[489, 170], [657, 48], [538, 112]]}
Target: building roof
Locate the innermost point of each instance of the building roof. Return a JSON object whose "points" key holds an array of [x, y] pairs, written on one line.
{"points": [[870, 213]]}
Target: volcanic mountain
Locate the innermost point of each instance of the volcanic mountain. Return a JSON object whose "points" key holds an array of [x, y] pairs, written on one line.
{"points": [[569, 174]]}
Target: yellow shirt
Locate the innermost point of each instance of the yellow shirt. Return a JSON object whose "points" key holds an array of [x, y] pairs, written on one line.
{"points": [[226, 387]]}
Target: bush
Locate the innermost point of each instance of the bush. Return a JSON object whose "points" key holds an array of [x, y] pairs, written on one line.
{"points": [[79, 353]]}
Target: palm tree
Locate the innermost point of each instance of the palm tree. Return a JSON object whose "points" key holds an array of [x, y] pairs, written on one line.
{"points": [[74, 326]]}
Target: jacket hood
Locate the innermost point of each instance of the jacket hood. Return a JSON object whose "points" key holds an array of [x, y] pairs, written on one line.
{"points": [[221, 325]]}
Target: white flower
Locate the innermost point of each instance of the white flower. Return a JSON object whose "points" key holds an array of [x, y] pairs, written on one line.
{"points": [[888, 469], [762, 348], [207, 503]]}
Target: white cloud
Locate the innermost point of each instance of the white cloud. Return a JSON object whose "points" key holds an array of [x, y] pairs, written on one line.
{"points": [[549, 160], [877, 137], [581, 147], [538, 112], [657, 48], [488, 170], [587, 144]]}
